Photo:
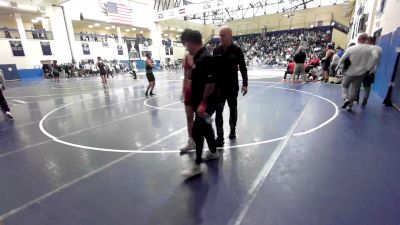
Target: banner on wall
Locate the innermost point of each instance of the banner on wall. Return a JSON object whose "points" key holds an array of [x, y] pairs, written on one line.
{"points": [[17, 48], [86, 48], [46, 49], [169, 50], [133, 48], [204, 6], [120, 50], [144, 53]]}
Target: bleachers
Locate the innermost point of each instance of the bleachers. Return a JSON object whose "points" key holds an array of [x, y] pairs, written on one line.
{"points": [[277, 47]]}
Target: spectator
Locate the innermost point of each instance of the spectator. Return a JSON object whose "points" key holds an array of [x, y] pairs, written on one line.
{"points": [[289, 69]]}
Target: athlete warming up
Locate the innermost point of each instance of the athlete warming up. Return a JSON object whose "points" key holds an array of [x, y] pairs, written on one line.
{"points": [[103, 71], [150, 75]]}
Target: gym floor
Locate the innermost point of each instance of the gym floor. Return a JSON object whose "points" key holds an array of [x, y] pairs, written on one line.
{"points": [[83, 155]]}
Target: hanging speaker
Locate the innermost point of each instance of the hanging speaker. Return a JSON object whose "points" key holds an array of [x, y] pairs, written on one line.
{"points": [[81, 16]]}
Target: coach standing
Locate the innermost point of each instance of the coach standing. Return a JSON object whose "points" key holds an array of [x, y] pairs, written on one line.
{"points": [[228, 57]]}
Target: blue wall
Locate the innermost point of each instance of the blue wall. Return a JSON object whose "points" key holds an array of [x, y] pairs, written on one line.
{"points": [[10, 75], [29, 74], [140, 64], [388, 43]]}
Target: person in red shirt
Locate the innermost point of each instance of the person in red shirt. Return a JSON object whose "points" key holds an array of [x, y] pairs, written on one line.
{"points": [[289, 69], [315, 61]]}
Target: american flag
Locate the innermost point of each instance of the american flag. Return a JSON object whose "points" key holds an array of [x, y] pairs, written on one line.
{"points": [[119, 13]]}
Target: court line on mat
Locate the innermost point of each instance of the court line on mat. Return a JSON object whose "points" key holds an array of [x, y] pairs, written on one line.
{"points": [[56, 139], [181, 109], [262, 175], [65, 95], [100, 88], [94, 92], [77, 132], [95, 108], [82, 178], [336, 113], [45, 82]]}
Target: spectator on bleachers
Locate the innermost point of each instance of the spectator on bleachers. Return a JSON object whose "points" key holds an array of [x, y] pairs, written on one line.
{"points": [[289, 69], [276, 48]]}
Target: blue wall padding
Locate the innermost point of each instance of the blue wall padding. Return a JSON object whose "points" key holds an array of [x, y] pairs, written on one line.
{"points": [[28, 74], [388, 43], [10, 75], [140, 64], [396, 88]]}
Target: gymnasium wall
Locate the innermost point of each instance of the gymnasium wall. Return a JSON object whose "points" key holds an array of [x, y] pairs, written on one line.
{"points": [[32, 49], [300, 19], [97, 49], [97, 13], [206, 30], [339, 38], [387, 21]]}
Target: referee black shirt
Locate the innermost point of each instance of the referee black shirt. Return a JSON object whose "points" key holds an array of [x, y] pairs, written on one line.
{"points": [[227, 63], [202, 74]]}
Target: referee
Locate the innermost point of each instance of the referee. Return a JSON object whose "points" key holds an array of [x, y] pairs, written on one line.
{"points": [[228, 57]]}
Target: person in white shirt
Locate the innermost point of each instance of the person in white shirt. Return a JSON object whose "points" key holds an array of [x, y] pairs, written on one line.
{"points": [[362, 61], [370, 78], [3, 102], [335, 61]]}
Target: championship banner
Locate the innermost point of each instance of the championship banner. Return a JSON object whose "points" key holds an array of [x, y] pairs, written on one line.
{"points": [[120, 50], [17, 48], [85, 48], [133, 48], [46, 49]]}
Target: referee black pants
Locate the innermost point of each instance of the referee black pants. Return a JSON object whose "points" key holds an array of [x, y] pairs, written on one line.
{"points": [[3, 103], [231, 98]]}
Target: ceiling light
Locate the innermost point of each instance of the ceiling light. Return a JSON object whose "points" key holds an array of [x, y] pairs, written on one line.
{"points": [[107, 28], [90, 26], [141, 32], [171, 28], [96, 25], [133, 29], [127, 30], [112, 26], [177, 35], [180, 29], [34, 21], [39, 18], [165, 35]]}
